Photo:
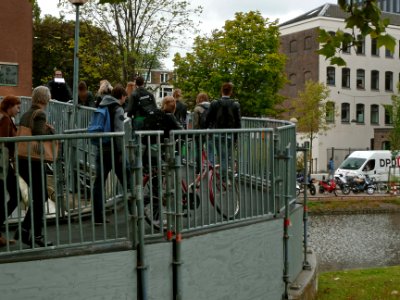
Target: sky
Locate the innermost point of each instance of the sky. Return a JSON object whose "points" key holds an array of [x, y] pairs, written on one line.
{"points": [[216, 12]]}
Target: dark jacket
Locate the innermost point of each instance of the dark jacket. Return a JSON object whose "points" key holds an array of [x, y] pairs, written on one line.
{"points": [[38, 124], [59, 91], [140, 95], [89, 101], [7, 129], [181, 112], [213, 110], [170, 123]]}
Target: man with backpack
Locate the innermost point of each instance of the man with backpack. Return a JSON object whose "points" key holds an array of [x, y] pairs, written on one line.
{"points": [[223, 114], [113, 121], [140, 104]]}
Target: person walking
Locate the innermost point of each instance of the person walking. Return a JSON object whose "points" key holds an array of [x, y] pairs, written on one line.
{"points": [[33, 171], [141, 102], [59, 89], [104, 162], [199, 116], [331, 168], [85, 97], [181, 108], [9, 108], [223, 114]]}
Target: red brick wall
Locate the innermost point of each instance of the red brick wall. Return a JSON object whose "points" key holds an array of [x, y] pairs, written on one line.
{"points": [[16, 35]]}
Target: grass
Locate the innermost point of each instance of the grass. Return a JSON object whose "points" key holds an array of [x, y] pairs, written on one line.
{"points": [[366, 284], [327, 206]]}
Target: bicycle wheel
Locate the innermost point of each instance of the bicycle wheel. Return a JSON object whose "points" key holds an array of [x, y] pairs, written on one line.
{"points": [[153, 207], [224, 196]]}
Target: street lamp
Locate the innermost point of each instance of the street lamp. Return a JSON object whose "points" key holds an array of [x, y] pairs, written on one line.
{"points": [[77, 3]]}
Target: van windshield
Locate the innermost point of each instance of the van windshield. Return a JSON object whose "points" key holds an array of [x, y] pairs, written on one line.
{"points": [[352, 163]]}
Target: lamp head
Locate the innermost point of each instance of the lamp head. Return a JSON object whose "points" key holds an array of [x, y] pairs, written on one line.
{"points": [[78, 2]]}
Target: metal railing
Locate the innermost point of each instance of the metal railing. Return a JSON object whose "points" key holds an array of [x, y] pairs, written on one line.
{"points": [[171, 189]]}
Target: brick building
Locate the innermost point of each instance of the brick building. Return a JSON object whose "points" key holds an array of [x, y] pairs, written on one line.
{"points": [[16, 34]]}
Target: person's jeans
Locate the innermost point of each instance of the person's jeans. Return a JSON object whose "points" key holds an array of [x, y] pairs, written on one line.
{"points": [[101, 177], [222, 144]]}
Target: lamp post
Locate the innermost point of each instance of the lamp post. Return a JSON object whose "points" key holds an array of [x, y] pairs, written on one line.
{"points": [[77, 3]]}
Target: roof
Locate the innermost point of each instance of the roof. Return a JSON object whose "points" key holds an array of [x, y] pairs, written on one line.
{"points": [[333, 11]]}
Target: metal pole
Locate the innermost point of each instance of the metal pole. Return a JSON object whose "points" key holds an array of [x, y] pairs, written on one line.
{"points": [[306, 264], [76, 59]]}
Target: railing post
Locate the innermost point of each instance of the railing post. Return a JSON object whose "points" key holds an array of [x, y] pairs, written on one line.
{"points": [[140, 261]]}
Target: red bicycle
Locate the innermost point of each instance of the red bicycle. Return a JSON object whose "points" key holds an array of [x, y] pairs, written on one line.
{"points": [[223, 194]]}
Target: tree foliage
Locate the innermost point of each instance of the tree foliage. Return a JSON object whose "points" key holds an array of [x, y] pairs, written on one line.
{"points": [[311, 110], [53, 47], [246, 53], [363, 20], [142, 31], [394, 110]]}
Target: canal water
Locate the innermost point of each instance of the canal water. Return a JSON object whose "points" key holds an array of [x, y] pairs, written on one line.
{"points": [[355, 241]]}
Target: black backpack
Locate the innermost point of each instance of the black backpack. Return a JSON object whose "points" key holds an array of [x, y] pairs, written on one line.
{"points": [[225, 117], [146, 104], [154, 121], [203, 115]]}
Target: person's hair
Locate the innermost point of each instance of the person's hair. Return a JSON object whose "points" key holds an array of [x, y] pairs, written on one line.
{"points": [[202, 97], [168, 104], [139, 81], [130, 87], [105, 87], [82, 86], [227, 88], [8, 102], [177, 93], [41, 95], [118, 91]]}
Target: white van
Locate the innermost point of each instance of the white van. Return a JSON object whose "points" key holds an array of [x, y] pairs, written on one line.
{"points": [[375, 164]]}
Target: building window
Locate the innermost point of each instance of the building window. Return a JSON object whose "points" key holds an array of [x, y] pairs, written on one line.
{"points": [[360, 45], [330, 112], [293, 46], [360, 113], [374, 47], [388, 81], [345, 113], [346, 45], [9, 74], [307, 43], [330, 75], [165, 91], [346, 78], [163, 77], [374, 114], [386, 145], [374, 80], [360, 79], [388, 115], [147, 77], [388, 53], [292, 79]]}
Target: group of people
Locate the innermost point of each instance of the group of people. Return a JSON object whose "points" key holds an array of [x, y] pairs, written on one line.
{"points": [[140, 104]]}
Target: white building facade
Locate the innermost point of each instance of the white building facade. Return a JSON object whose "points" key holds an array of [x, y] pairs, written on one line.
{"points": [[358, 90]]}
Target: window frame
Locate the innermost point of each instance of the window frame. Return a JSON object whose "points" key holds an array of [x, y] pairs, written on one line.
{"points": [[8, 70]]}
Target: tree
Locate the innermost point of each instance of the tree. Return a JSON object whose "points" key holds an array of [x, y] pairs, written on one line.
{"points": [[141, 30], [394, 109], [311, 111], [364, 20], [245, 52], [53, 47]]}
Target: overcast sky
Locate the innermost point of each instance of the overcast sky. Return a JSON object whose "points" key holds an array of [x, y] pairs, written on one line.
{"points": [[216, 12]]}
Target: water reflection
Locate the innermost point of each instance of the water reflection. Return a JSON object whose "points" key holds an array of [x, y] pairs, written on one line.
{"points": [[355, 241]]}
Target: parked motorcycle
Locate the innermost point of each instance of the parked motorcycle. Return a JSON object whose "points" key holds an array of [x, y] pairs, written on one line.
{"points": [[300, 185], [359, 184], [327, 186], [342, 184]]}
